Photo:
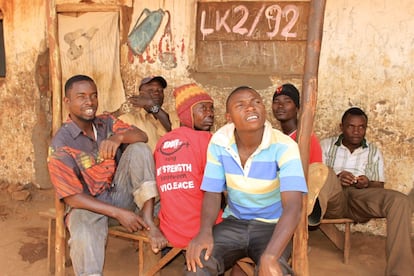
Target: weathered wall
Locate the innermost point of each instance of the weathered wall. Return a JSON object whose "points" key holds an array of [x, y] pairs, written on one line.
{"points": [[24, 94], [366, 60]]}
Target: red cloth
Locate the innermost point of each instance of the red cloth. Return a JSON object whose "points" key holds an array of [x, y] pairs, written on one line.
{"points": [[180, 157], [315, 154]]}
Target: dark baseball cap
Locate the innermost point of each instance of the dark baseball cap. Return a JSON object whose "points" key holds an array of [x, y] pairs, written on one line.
{"points": [[289, 90], [149, 79]]}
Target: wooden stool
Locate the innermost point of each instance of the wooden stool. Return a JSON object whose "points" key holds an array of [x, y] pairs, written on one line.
{"points": [[341, 240], [152, 265], [153, 262]]}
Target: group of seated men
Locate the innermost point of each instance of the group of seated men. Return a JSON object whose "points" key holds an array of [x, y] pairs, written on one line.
{"points": [[111, 168]]}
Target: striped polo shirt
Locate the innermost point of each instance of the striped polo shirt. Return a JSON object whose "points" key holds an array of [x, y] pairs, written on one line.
{"points": [[254, 190], [366, 160]]}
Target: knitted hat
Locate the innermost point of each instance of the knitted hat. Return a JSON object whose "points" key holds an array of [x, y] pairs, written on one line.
{"points": [[187, 96], [289, 90]]}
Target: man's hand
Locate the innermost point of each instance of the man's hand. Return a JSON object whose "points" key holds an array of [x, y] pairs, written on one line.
{"points": [[347, 178], [362, 182], [108, 147], [143, 101], [202, 241], [131, 221], [269, 266]]}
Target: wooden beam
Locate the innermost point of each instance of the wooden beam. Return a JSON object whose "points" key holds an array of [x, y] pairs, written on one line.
{"points": [[83, 7], [305, 128], [55, 73]]}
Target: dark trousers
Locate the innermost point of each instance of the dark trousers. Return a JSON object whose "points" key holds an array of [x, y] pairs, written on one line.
{"points": [[235, 239]]}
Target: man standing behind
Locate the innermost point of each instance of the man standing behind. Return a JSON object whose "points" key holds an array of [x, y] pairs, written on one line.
{"points": [[285, 108], [145, 110], [355, 189], [95, 181], [261, 170], [180, 158]]}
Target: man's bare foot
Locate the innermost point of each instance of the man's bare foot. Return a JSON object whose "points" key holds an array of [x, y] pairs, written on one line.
{"points": [[157, 239]]}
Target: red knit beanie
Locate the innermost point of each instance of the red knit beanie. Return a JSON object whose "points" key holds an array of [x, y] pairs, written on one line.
{"points": [[187, 96]]}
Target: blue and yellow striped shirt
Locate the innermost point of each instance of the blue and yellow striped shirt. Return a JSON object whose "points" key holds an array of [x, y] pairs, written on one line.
{"points": [[254, 191]]}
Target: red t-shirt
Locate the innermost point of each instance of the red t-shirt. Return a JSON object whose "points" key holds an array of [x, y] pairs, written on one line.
{"points": [[180, 158], [315, 154]]}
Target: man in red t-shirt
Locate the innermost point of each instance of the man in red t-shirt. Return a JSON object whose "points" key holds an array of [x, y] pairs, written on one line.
{"points": [[180, 157], [285, 107]]}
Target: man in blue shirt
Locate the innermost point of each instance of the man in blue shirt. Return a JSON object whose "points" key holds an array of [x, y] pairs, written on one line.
{"points": [[260, 169]]}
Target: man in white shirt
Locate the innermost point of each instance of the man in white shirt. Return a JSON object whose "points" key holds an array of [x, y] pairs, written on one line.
{"points": [[355, 189]]}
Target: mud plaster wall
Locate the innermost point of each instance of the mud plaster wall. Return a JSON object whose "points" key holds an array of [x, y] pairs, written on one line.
{"points": [[365, 60], [24, 96]]}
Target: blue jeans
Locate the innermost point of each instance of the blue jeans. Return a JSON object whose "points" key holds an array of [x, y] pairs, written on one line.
{"points": [[133, 184], [235, 239]]}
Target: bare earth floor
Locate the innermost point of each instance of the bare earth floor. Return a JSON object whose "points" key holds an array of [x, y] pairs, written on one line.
{"points": [[23, 246]]}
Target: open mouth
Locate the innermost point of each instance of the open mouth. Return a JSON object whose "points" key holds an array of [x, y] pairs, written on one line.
{"points": [[89, 111], [252, 117]]}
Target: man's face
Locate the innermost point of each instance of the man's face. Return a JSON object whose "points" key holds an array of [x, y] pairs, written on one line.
{"points": [[154, 90], [353, 128], [246, 110], [82, 101], [203, 116], [284, 109]]}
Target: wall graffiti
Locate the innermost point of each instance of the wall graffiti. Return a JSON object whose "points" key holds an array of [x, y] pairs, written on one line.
{"points": [[142, 35], [272, 14], [78, 41], [252, 37]]}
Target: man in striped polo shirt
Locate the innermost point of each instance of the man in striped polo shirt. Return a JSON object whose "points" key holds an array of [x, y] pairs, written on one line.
{"points": [[260, 169]]}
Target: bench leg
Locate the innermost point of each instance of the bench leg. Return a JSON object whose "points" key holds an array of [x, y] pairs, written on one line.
{"points": [[150, 258], [333, 234], [347, 242], [341, 240], [51, 236], [154, 269]]}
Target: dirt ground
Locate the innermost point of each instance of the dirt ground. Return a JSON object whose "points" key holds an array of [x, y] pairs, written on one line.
{"points": [[23, 246]]}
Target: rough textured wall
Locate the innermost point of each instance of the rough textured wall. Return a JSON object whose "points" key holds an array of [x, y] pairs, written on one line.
{"points": [[24, 100], [180, 43]]}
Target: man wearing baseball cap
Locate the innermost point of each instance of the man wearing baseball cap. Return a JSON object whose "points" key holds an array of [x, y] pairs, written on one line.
{"points": [[145, 110], [285, 107]]}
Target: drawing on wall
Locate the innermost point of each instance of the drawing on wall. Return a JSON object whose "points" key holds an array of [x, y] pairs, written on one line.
{"points": [[166, 48], [78, 41], [142, 34]]}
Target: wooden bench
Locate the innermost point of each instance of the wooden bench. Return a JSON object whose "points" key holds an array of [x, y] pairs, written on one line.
{"points": [[342, 240], [153, 262]]}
